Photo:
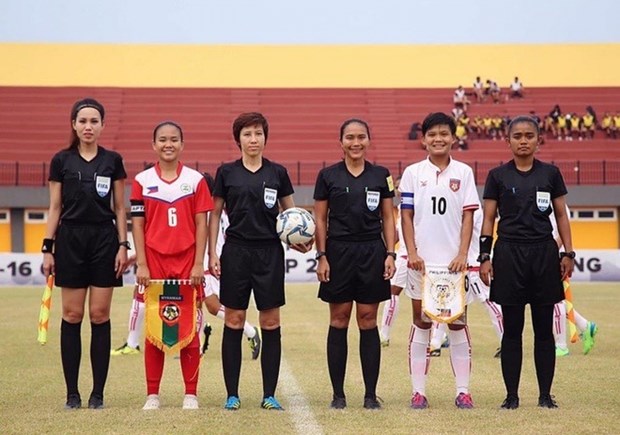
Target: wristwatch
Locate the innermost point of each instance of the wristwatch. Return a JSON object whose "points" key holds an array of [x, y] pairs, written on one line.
{"points": [[569, 254], [125, 244], [319, 254], [392, 254], [483, 257]]}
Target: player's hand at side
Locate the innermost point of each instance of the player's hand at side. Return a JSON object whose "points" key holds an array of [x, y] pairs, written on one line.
{"points": [[197, 274], [415, 262], [322, 269], [567, 265], [48, 264], [389, 268], [120, 262], [215, 268], [303, 247], [486, 272], [143, 275], [458, 264]]}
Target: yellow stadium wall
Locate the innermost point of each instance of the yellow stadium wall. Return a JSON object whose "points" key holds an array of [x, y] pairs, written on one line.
{"points": [[595, 235], [5, 230], [307, 66], [34, 230]]}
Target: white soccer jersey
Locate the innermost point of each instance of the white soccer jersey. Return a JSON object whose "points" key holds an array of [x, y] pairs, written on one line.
{"points": [[474, 246], [438, 199], [221, 237], [402, 248]]}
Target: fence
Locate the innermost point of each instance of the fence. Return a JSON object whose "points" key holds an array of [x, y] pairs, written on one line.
{"points": [[575, 172]]}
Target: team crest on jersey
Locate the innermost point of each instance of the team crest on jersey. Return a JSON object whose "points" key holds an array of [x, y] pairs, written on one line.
{"points": [[372, 200], [186, 188], [423, 183], [103, 185], [543, 200], [455, 184], [270, 197]]}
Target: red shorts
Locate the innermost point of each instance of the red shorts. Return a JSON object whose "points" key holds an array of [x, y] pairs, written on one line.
{"points": [[172, 266]]}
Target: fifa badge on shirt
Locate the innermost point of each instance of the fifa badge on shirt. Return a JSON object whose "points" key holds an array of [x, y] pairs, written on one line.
{"points": [[543, 200], [103, 185], [270, 197], [372, 200], [455, 184]]}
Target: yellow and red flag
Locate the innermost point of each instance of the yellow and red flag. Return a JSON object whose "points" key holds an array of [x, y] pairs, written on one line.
{"points": [[170, 313], [570, 312], [44, 312]]}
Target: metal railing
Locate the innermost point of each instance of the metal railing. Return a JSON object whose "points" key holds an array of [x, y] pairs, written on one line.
{"points": [[575, 172]]}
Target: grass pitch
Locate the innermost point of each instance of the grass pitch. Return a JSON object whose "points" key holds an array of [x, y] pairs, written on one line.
{"points": [[32, 391]]}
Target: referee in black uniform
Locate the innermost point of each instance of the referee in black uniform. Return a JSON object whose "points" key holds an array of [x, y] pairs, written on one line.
{"points": [[527, 267], [85, 243], [355, 235], [251, 189]]}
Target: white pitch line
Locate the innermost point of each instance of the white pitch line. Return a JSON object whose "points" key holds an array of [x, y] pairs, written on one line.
{"points": [[298, 406]]}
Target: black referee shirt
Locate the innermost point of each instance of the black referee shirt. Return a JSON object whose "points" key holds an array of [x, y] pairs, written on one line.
{"points": [[251, 198], [524, 199], [354, 202], [87, 186]]}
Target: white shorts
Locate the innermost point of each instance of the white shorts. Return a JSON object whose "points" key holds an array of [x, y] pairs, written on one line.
{"points": [[212, 286], [400, 277], [478, 291], [414, 284]]}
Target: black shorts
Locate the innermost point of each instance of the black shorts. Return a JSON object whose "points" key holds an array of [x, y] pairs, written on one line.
{"points": [[356, 272], [84, 256], [526, 273], [252, 268]]}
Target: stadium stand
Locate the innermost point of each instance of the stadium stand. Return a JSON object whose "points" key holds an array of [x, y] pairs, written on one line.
{"points": [[303, 126]]}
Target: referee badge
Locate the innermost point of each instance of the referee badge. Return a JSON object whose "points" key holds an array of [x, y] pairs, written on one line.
{"points": [[270, 197], [543, 200], [372, 200], [455, 184], [103, 185]]}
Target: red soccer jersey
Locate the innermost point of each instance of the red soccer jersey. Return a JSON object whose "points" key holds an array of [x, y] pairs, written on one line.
{"points": [[170, 207]]}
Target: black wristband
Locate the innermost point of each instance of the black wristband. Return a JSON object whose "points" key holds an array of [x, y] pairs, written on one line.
{"points": [[483, 258], [391, 254], [486, 243], [569, 254], [48, 246], [125, 244], [319, 254]]}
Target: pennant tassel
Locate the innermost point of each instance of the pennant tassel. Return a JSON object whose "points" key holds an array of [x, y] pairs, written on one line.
{"points": [[170, 314]]}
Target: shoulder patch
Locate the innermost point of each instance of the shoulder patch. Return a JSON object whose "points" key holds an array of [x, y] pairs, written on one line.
{"points": [[390, 183]]}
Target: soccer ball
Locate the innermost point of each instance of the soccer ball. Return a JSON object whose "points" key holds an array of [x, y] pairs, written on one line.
{"points": [[295, 225]]}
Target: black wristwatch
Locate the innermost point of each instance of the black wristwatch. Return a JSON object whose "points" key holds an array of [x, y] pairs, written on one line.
{"points": [[570, 254], [391, 254], [319, 254], [125, 244], [483, 257]]}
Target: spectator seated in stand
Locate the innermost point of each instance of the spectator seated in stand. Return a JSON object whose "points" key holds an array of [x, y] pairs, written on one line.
{"points": [[562, 126], [588, 125], [573, 122], [606, 125], [516, 89], [460, 99], [494, 91], [477, 127], [413, 131], [478, 90]]}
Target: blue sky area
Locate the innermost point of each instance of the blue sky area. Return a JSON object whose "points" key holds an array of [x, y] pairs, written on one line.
{"points": [[311, 22]]}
